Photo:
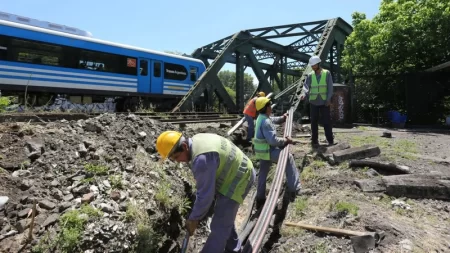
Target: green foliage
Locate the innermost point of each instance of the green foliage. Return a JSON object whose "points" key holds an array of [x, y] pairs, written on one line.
{"points": [[72, 224], [347, 208], [96, 169], [228, 79], [4, 102], [405, 36]]}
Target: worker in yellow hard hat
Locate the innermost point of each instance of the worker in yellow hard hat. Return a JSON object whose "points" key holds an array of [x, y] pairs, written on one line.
{"points": [[267, 147], [220, 168], [250, 114]]}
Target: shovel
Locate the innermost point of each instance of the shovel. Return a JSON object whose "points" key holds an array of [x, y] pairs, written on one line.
{"points": [[185, 244]]}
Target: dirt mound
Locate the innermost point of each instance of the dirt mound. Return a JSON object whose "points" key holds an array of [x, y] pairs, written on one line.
{"points": [[97, 184]]}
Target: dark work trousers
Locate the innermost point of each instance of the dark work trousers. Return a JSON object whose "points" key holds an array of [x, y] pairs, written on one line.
{"points": [[324, 112]]}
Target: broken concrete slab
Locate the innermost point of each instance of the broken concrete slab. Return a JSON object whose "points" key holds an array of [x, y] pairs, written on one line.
{"points": [[389, 168], [371, 185], [413, 186], [365, 151], [420, 186], [329, 150]]}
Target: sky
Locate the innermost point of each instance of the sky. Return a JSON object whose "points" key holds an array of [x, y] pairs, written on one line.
{"points": [[181, 25]]}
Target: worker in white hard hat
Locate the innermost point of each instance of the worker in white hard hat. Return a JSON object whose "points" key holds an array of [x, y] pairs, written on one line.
{"points": [[318, 87]]}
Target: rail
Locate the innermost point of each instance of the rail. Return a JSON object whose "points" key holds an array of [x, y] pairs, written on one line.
{"points": [[256, 237], [182, 118]]}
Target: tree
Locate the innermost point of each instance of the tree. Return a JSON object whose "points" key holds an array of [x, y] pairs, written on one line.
{"points": [[405, 36], [228, 79]]}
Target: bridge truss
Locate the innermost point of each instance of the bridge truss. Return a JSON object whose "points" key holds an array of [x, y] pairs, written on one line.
{"points": [[282, 63]]}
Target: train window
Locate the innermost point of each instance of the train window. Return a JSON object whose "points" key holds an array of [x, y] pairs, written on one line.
{"points": [[98, 61], [174, 71], [193, 74], [36, 52], [143, 65], [157, 69], [3, 48]]}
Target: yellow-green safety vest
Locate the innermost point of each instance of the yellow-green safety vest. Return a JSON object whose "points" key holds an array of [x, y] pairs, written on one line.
{"points": [[261, 146], [318, 88], [235, 169]]}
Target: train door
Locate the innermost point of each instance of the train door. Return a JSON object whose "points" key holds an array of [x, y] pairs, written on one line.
{"points": [[144, 75], [157, 77]]}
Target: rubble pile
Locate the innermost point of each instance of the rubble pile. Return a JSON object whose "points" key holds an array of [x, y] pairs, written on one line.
{"points": [[97, 185]]}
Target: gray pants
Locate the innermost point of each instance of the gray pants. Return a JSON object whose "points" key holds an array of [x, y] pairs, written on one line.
{"points": [[292, 175]]}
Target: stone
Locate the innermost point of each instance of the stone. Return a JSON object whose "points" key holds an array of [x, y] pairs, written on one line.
{"points": [[356, 153], [46, 204], [418, 186], [52, 219], [87, 198], [3, 201], [115, 195]]}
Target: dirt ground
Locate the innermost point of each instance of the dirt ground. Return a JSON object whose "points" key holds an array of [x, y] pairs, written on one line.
{"points": [[418, 225]]}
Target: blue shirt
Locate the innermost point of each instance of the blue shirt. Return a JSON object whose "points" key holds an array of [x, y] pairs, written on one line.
{"points": [[204, 167], [269, 132]]}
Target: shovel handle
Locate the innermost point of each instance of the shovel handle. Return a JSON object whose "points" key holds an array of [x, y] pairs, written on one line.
{"points": [[185, 244]]}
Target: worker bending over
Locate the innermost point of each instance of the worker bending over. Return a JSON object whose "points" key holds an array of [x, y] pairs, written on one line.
{"points": [[267, 147], [219, 167], [250, 115]]}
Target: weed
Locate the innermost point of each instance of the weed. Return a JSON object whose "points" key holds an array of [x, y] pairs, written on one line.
{"points": [[72, 226], [116, 181], [96, 169], [147, 239], [347, 208], [300, 205], [321, 247]]}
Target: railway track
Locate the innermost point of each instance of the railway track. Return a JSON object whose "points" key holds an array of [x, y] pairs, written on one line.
{"points": [[174, 118]]}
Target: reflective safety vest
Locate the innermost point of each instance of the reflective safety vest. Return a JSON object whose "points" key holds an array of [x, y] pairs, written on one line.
{"points": [[261, 146], [250, 108], [235, 169], [318, 88]]}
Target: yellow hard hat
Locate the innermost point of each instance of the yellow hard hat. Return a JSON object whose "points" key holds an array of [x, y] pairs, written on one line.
{"points": [[166, 143], [261, 102], [261, 94]]}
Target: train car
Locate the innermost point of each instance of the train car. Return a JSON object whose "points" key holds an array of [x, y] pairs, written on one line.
{"points": [[45, 62]]}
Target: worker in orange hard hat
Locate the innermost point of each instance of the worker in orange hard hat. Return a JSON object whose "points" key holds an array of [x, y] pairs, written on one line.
{"points": [[250, 114], [220, 168]]}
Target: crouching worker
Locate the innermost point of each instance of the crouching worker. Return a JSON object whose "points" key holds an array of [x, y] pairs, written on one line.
{"points": [[267, 147], [219, 167]]}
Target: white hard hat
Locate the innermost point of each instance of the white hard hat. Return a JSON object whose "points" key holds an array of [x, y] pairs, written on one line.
{"points": [[314, 60]]}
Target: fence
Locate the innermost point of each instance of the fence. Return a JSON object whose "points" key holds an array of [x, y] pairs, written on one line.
{"points": [[423, 97]]}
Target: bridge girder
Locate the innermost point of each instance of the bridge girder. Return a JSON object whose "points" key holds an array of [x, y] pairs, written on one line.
{"points": [[269, 59]]}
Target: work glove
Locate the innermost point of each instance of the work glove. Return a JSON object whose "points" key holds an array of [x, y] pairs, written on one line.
{"points": [[191, 226]]}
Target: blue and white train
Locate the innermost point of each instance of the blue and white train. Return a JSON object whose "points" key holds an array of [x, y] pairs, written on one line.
{"points": [[45, 58]]}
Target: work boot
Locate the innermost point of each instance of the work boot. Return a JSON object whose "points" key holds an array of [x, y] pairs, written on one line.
{"points": [[293, 195]]}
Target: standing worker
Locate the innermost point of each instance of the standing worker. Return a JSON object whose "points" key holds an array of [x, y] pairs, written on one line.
{"points": [[219, 167], [267, 147], [250, 115], [319, 86]]}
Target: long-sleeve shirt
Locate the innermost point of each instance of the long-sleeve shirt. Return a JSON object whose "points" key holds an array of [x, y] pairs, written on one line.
{"points": [[307, 86], [204, 168], [269, 132]]}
